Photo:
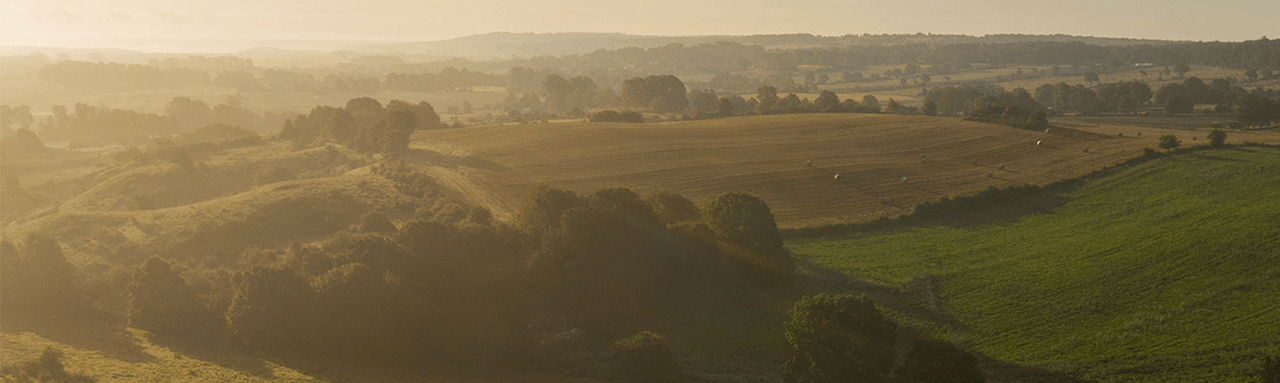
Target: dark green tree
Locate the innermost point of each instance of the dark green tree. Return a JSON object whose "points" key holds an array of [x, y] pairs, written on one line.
{"points": [[1255, 110], [672, 208], [937, 361], [159, 300], [644, 357], [827, 102], [543, 206], [930, 108], [1169, 141], [746, 220], [271, 309], [1217, 138], [838, 338]]}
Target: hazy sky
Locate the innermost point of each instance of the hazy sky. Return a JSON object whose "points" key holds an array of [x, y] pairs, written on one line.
{"points": [[236, 24]]}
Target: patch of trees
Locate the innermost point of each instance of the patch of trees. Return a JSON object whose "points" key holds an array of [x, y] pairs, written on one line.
{"points": [[102, 125], [447, 80], [1250, 108], [37, 281], [363, 125], [192, 114], [661, 94], [616, 116], [842, 338], [1015, 108], [570, 96], [86, 75]]}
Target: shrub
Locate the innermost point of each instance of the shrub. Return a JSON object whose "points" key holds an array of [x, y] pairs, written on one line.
{"points": [[672, 208], [838, 338], [936, 361], [745, 219], [160, 301], [1169, 141], [644, 357], [543, 206], [1217, 138], [47, 368], [616, 116]]}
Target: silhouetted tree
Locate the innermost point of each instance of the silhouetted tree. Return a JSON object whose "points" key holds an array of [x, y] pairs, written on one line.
{"points": [[838, 338], [662, 94], [937, 361], [672, 208], [746, 220], [543, 206], [1169, 142], [159, 300], [1217, 138]]}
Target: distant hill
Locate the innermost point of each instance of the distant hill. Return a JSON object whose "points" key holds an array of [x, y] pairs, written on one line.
{"points": [[504, 45]]}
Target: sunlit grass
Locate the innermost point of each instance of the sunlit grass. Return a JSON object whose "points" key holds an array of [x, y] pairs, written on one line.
{"points": [[1164, 272]]}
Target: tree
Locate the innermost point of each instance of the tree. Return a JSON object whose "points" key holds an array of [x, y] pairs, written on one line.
{"points": [[662, 94], [270, 308], [1169, 141], [767, 95], [838, 338], [644, 357], [543, 206], [1217, 138], [1181, 69], [930, 108], [870, 103], [936, 361], [159, 300], [827, 102], [1255, 110], [672, 208], [1091, 77], [745, 219]]}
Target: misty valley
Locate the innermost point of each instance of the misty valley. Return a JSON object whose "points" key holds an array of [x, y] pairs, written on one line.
{"points": [[587, 207]]}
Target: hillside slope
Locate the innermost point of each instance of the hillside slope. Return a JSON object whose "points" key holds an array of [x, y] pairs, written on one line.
{"points": [[768, 156], [218, 230], [1168, 271]]}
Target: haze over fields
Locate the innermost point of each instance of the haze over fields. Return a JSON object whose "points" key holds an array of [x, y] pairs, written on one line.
{"points": [[639, 191]]}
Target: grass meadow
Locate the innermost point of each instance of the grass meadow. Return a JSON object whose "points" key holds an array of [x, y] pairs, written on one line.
{"points": [[1163, 272]]}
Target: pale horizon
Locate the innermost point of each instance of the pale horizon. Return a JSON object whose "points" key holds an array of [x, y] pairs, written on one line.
{"points": [[235, 25]]}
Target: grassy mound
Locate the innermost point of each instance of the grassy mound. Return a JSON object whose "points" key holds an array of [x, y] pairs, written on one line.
{"points": [[220, 229], [1167, 271]]}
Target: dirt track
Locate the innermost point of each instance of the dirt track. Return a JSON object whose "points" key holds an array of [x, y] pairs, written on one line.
{"points": [[768, 156]]}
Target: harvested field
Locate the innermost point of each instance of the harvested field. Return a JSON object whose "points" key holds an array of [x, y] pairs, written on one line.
{"points": [[768, 155]]}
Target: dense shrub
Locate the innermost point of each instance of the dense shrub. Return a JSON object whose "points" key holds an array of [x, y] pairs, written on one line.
{"points": [[1217, 138], [271, 309], [838, 338], [37, 280], [672, 208], [47, 368], [616, 116], [159, 300], [936, 361], [643, 357], [1169, 141], [745, 219]]}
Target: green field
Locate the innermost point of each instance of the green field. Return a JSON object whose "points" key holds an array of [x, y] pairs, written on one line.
{"points": [[1164, 272]]}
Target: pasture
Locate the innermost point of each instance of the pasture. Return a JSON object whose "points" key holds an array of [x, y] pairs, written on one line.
{"points": [[1162, 272]]}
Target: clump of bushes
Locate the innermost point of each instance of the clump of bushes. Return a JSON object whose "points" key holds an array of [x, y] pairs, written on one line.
{"points": [[47, 368], [644, 357], [616, 116]]}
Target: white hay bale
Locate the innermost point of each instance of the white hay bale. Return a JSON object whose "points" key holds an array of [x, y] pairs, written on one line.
{"points": [[1001, 167], [1039, 143], [904, 180], [837, 177]]}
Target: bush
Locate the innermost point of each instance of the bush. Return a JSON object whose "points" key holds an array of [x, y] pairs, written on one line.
{"points": [[672, 208], [644, 357], [1217, 138], [1169, 141], [47, 368], [839, 338], [159, 300], [936, 361], [745, 219], [616, 116]]}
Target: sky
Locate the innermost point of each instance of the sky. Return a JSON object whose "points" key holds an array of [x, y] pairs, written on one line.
{"points": [[233, 25]]}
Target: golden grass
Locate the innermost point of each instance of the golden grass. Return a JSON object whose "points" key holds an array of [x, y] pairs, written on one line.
{"points": [[767, 156]]}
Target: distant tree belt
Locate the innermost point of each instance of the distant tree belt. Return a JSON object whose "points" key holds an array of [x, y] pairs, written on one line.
{"points": [[363, 125]]}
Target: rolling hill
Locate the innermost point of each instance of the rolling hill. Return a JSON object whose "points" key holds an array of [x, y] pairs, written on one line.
{"points": [[1166, 271], [886, 163]]}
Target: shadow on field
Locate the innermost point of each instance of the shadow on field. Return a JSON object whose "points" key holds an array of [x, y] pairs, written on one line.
{"points": [[109, 339], [918, 299]]}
